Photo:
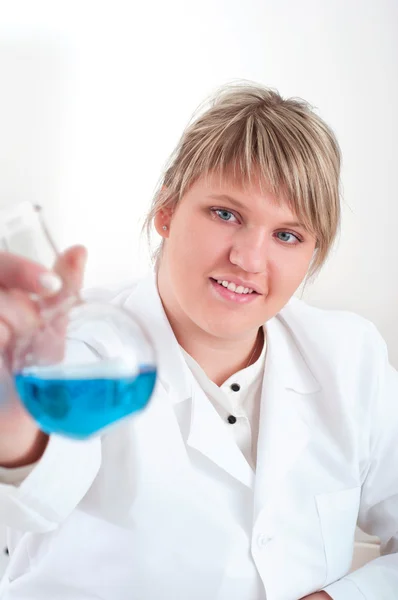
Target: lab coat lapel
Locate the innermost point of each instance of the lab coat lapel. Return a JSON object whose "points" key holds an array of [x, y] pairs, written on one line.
{"points": [[210, 436], [146, 307], [284, 430]]}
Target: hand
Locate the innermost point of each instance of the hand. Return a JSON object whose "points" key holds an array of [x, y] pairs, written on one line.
{"points": [[21, 442], [20, 278]]}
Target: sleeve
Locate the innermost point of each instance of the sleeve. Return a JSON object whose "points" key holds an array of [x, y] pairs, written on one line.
{"points": [[53, 488], [378, 513], [38, 498]]}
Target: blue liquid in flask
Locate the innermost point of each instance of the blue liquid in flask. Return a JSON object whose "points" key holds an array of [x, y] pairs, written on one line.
{"points": [[79, 408]]}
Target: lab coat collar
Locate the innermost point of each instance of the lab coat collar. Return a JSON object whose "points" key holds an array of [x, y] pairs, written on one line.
{"points": [[285, 352], [283, 431]]}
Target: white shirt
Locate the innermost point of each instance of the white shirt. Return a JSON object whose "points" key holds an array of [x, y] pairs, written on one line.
{"points": [[240, 397]]}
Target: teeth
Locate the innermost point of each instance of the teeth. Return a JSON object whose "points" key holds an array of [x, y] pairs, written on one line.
{"points": [[233, 288]]}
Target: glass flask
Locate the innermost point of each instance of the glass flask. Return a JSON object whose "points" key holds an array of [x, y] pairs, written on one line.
{"points": [[90, 364]]}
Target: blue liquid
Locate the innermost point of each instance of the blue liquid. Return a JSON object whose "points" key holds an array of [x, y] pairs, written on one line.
{"points": [[78, 408]]}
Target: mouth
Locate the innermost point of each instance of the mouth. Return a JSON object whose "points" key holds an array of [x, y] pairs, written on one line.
{"points": [[232, 292]]}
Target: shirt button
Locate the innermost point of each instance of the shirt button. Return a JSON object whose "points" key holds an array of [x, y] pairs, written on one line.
{"points": [[231, 419], [235, 387], [263, 540]]}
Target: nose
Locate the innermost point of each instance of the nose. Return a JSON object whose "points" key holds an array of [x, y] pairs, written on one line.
{"points": [[249, 250]]}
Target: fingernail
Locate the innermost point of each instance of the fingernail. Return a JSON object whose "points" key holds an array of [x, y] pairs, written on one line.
{"points": [[50, 282]]}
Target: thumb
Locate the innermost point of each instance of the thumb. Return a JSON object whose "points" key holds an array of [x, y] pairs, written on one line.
{"points": [[70, 266]]}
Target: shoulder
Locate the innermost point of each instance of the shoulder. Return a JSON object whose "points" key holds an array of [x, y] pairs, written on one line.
{"points": [[338, 332], [113, 294], [300, 312]]}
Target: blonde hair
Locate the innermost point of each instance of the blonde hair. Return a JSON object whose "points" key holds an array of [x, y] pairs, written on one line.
{"points": [[251, 129]]}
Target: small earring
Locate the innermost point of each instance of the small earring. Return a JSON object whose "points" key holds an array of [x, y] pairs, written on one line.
{"points": [[164, 227]]}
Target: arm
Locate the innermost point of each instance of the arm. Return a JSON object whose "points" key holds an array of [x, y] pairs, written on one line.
{"points": [[378, 513], [37, 498]]}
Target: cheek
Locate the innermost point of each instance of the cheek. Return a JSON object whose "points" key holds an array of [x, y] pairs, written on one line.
{"points": [[196, 245], [290, 270], [185, 262]]}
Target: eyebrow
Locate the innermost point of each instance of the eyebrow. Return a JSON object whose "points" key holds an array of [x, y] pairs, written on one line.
{"points": [[242, 206]]}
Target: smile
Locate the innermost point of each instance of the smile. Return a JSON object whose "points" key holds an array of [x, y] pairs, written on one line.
{"points": [[238, 289], [230, 292]]}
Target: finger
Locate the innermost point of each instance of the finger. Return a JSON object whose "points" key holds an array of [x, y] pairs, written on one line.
{"points": [[70, 267], [21, 273]]}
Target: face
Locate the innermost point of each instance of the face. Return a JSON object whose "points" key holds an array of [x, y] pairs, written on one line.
{"points": [[222, 234]]}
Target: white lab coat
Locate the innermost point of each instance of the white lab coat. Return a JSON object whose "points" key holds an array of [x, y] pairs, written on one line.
{"points": [[150, 512]]}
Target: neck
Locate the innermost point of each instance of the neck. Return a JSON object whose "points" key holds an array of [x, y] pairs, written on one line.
{"points": [[218, 357], [220, 361]]}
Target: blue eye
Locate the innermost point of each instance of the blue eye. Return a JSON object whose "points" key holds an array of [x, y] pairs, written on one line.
{"points": [[224, 215], [288, 238]]}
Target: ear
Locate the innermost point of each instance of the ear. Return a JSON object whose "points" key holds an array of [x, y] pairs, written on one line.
{"points": [[162, 222]]}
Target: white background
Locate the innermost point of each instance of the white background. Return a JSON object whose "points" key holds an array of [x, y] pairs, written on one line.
{"points": [[94, 95]]}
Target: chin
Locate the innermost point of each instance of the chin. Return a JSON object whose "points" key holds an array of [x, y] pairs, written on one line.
{"points": [[224, 327]]}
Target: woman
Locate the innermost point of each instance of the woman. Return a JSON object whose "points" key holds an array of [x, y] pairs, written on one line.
{"points": [[273, 425]]}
